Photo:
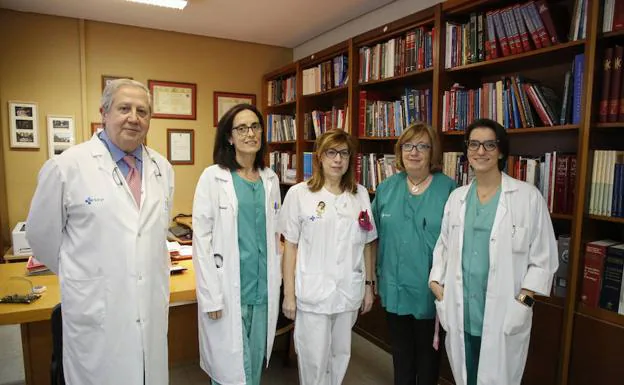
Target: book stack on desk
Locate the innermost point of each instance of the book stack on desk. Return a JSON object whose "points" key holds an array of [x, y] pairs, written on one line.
{"points": [[179, 252]]}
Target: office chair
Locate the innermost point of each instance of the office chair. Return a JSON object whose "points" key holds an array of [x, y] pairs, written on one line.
{"points": [[56, 366]]}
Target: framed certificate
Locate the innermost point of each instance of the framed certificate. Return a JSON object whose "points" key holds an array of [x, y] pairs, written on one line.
{"points": [[173, 100], [223, 101], [180, 146], [23, 126]]}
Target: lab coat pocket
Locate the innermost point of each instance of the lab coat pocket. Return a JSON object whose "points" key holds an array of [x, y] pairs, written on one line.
{"points": [[517, 318], [519, 239], [313, 288], [439, 305], [84, 310]]}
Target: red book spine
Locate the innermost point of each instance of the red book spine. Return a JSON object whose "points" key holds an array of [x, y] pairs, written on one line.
{"points": [[362, 115], [603, 107], [592, 274], [561, 185], [616, 78], [571, 185], [544, 13], [500, 32]]}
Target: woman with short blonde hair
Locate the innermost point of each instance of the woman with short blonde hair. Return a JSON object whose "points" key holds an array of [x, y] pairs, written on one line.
{"points": [[408, 210]]}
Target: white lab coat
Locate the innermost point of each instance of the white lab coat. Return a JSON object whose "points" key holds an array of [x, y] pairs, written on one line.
{"points": [[523, 254], [215, 231], [112, 262], [330, 269]]}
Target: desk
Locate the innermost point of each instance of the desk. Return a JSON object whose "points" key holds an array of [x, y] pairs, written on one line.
{"points": [[34, 320]]}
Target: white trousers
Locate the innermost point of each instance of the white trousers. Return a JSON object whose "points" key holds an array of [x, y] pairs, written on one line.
{"points": [[323, 346]]}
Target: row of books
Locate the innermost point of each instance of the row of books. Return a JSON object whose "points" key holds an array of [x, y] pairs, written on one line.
{"points": [[285, 165], [315, 123], [282, 90], [508, 31], [397, 56], [372, 169], [613, 19], [326, 75], [515, 102], [611, 107], [602, 275], [281, 128], [554, 174], [606, 195], [382, 116]]}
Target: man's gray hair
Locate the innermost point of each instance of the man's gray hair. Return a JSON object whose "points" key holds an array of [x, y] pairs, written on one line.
{"points": [[109, 91]]}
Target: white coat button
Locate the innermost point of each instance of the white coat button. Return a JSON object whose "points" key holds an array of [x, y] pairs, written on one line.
{"points": [[138, 320], [493, 240], [139, 235], [140, 277]]}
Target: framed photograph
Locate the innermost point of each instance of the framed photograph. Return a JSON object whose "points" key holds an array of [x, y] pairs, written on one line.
{"points": [[180, 146], [61, 134], [23, 125], [96, 127], [108, 78], [173, 100], [223, 101]]}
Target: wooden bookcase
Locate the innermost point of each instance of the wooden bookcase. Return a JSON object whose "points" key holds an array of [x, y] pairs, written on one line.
{"points": [[570, 343]]}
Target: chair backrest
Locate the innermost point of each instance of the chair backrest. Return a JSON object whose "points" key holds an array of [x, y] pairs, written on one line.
{"points": [[56, 366]]}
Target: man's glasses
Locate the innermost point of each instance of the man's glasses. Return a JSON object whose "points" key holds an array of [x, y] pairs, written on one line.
{"points": [[420, 147], [488, 145], [243, 129], [331, 153]]}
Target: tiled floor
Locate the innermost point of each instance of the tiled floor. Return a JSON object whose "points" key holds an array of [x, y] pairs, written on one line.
{"points": [[369, 365]]}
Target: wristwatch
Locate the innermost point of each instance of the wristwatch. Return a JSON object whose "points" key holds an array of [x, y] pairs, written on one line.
{"points": [[526, 300], [369, 283]]}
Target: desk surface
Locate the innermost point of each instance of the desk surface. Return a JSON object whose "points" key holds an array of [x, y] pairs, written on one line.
{"points": [[182, 290]]}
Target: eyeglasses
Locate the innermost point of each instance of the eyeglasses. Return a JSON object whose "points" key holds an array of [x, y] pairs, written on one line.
{"points": [[420, 147], [243, 129], [331, 153], [488, 145]]}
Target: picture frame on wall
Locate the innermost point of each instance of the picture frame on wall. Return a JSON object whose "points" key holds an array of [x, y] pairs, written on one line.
{"points": [[23, 125], [108, 78], [96, 127], [223, 101], [173, 100], [180, 146], [61, 134]]}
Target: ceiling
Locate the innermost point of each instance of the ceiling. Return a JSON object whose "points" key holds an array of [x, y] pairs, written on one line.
{"points": [[285, 23]]}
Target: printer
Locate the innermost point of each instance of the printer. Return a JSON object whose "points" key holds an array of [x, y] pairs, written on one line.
{"points": [[20, 244]]}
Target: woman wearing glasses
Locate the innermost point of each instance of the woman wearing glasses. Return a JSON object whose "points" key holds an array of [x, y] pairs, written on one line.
{"points": [[328, 227], [408, 209], [496, 250], [234, 252]]}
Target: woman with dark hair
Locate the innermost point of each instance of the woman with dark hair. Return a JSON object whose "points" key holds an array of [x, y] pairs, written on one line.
{"points": [[327, 268], [408, 210], [235, 252], [496, 250]]}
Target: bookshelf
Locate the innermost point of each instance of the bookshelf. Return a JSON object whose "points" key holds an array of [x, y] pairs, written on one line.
{"points": [[571, 343]]}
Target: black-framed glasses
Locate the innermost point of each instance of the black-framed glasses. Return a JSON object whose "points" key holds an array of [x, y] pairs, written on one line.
{"points": [[243, 129], [488, 145], [420, 147], [332, 152]]}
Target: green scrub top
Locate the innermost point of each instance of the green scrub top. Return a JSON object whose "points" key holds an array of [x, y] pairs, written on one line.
{"points": [[252, 241], [408, 227], [476, 257]]}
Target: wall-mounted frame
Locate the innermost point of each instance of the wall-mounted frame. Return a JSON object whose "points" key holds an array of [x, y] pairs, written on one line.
{"points": [[96, 127], [171, 100], [223, 101], [61, 134], [23, 125], [109, 78], [180, 146]]}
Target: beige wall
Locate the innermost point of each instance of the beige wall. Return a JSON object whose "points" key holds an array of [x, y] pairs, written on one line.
{"points": [[41, 61]]}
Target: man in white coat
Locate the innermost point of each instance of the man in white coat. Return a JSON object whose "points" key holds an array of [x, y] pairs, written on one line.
{"points": [[99, 219]]}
